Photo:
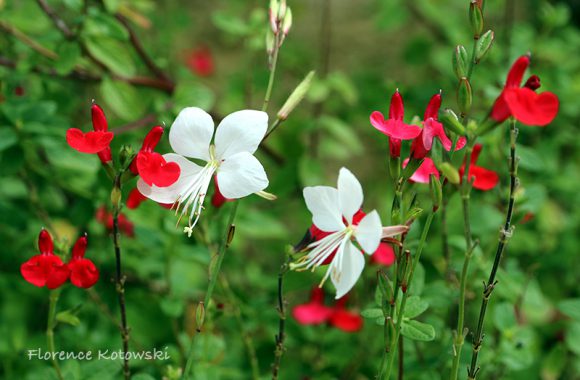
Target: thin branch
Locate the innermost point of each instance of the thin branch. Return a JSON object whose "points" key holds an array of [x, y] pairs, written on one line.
{"points": [[24, 38], [58, 22]]}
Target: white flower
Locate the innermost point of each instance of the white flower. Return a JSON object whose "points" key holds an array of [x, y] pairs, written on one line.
{"points": [[239, 173], [332, 211]]}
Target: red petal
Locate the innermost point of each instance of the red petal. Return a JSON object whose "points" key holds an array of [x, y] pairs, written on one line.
{"points": [[83, 273], [217, 200], [484, 179], [516, 73], [154, 170], [530, 108], [90, 142], [475, 154], [134, 199], [384, 255], [396, 108], [399, 130], [99, 119], [500, 110], [80, 247], [43, 270], [346, 321], [311, 313], [461, 142], [423, 173], [317, 295], [394, 147], [432, 110], [533, 82], [152, 139], [45, 244], [377, 120]]}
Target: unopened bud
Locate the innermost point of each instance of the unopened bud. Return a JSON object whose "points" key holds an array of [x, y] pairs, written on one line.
{"points": [[231, 233], [436, 191], [451, 122], [449, 172], [460, 61], [385, 286], [126, 156], [483, 45], [116, 196], [270, 42], [476, 18], [296, 96], [199, 316], [287, 23], [273, 15], [464, 95]]}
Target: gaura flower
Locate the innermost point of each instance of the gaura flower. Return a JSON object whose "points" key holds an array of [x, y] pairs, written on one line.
{"points": [[483, 179], [231, 158], [83, 272], [523, 103], [432, 129], [333, 211], [96, 141], [151, 166], [394, 127], [423, 173], [315, 312], [46, 269]]}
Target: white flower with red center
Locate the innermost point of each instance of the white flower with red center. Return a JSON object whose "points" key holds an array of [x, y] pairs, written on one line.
{"points": [[333, 211], [230, 158]]}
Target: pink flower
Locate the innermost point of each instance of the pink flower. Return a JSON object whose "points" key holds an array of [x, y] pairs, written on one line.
{"points": [[423, 173]]}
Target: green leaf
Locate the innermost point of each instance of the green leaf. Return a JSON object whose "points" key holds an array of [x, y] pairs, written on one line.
{"points": [[416, 330], [69, 54], [68, 318], [573, 338], [123, 98], [504, 316], [415, 306], [142, 376], [101, 25], [113, 54], [570, 307], [8, 138], [193, 94], [372, 313], [230, 24]]}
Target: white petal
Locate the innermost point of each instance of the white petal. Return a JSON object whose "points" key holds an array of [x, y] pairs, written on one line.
{"points": [[241, 175], [394, 230], [241, 131], [170, 194], [350, 194], [322, 201], [191, 133], [351, 263], [368, 232]]}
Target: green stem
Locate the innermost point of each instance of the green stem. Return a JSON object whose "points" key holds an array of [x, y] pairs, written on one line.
{"points": [[281, 336], [505, 235], [119, 278], [271, 79], [469, 247], [53, 299], [401, 312], [224, 244]]}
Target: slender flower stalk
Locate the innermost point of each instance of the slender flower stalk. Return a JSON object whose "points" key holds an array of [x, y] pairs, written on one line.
{"points": [[401, 311], [505, 234], [119, 277], [281, 336], [53, 299]]}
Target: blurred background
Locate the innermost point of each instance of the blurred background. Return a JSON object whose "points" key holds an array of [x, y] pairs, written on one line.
{"points": [[212, 55]]}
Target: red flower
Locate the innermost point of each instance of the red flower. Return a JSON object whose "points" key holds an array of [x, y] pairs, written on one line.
{"points": [[523, 103], [83, 272], [423, 173], [432, 129], [483, 179], [384, 255], [96, 141], [151, 166], [315, 312], [46, 268], [104, 217], [200, 62], [394, 127]]}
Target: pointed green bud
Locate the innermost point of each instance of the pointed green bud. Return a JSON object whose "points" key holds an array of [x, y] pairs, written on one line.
{"points": [[483, 45], [460, 61], [436, 191], [449, 172], [287, 23], [296, 97], [199, 316], [126, 155], [476, 18], [451, 122], [464, 95], [385, 286], [116, 197]]}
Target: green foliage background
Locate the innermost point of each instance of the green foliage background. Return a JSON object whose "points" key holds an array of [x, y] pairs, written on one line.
{"points": [[369, 49]]}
